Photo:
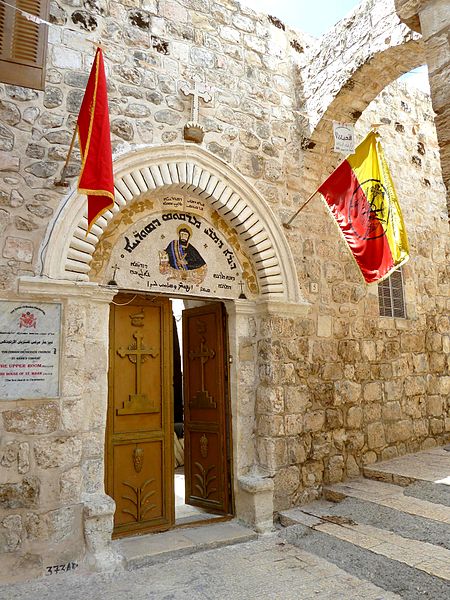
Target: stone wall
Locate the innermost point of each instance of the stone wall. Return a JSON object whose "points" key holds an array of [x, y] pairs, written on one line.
{"points": [[432, 19], [52, 451], [343, 387], [322, 389]]}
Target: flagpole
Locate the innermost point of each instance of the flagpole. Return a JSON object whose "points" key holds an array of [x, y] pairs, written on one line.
{"points": [[62, 182], [288, 224]]}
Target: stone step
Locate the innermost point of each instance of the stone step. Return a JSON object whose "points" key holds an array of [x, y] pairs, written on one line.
{"points": [[155, 548], [429, 465], [389, 495], [398, 561]]}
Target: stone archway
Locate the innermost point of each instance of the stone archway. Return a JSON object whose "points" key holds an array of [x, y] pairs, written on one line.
{"points": [[69, 251], [354, 62]]}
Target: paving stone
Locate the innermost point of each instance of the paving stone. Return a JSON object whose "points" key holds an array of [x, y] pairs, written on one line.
{"points": [[265, 568]]}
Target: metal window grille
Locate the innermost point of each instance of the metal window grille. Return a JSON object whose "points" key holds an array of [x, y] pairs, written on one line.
{"points": [[391, 299]]}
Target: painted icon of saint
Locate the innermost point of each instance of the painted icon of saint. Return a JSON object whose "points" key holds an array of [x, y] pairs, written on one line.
{"points": [[181, 260]]}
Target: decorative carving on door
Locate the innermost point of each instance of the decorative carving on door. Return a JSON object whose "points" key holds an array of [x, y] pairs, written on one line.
{"points": [[138, 459], [137, 319], [204, 480], [141, 500], [204, 446], [138, 354], [202, 398]]}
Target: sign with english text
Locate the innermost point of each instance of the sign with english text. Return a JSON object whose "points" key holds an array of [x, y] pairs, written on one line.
{"points": [[29, 350]]}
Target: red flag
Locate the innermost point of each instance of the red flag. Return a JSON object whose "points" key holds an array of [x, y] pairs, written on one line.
{"points": [[361, 197], [96, 177]]}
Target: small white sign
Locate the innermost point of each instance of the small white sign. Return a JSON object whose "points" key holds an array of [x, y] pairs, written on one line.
{"points": [[344, 138], [29, 350]]}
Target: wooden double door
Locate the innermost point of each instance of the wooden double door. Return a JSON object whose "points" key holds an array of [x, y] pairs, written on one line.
{"points": [[140, 429]]}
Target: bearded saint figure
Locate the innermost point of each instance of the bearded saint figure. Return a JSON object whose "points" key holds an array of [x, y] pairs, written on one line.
{"points": [[181, 260]]}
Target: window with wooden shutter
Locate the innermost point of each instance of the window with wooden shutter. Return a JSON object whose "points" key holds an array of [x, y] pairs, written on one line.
{"points": [[23, 43], [391, 299]]}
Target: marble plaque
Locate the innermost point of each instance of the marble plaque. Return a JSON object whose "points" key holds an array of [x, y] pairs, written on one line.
{"points": [[29, 350]]}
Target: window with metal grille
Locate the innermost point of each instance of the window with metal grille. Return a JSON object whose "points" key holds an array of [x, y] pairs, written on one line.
{"points": [[391, 299], [23, 43]]}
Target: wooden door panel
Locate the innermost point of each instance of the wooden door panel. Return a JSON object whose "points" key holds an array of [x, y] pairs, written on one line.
{"points": [[132, 342], [205, 483], [205, 424], [138, 482], [139, 474]]}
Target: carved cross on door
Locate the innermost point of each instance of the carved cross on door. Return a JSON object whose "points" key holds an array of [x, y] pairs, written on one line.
{"points": [[137, 403], [202, 399]]}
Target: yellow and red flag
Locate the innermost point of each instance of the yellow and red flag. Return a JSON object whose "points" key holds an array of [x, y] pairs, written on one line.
{"points": [[96, 177], [361, 197]]}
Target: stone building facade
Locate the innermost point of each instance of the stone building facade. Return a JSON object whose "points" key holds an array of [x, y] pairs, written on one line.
{"points": [[320, 384]]}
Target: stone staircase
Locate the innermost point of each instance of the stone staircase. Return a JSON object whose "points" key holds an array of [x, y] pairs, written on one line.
{"points": [[390, 527]]}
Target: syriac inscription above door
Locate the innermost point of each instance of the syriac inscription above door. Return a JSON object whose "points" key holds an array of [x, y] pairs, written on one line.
{"points": [[182, 247]]}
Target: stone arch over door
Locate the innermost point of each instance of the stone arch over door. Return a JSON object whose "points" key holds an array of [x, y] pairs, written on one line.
{"points": [[69, 251], [352, 64]]}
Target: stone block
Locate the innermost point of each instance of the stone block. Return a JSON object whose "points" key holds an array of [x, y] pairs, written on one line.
{"points": [[354, 417], [372, 412], [415, 385], [297, 450], [373, 391], [24, 494], [433, 341], [57, 452], [392, 411], [314, 420], [437, 362], [436, 426], [69, 59], [11, 533], [333, 418], [399, 431], [412, 342], [333, 371], [375, 436], [435, 406], [43, 418], [270, 425], [334, 471], [287, 480], [434, 19], [322, 445], [297, 398], [293, 424], [18, 249], [9, 162], [254, 501], [272, 453], [352, 467], [312, 473], [347, 392], [269, 400], [421, 427]]}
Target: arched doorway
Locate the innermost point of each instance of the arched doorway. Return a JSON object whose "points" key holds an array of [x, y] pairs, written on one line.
{"points": [[163, 194]]}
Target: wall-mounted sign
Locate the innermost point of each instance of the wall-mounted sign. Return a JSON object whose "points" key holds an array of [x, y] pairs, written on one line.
{"points": [[176, 252], [344, 138], [29, 350]]}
